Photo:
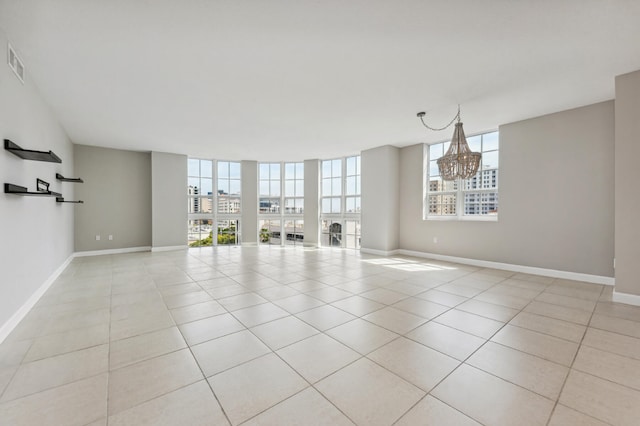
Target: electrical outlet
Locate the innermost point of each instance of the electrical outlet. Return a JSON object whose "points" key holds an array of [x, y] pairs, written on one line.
{"points": [[110, 237], [97, 237], [435, 240]]}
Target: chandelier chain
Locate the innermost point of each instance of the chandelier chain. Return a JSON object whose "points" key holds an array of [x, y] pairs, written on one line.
{"points": [[437, 129]]}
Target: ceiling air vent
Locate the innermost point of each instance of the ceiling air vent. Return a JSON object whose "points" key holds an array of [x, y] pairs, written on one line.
{"points": [[15, 63]]}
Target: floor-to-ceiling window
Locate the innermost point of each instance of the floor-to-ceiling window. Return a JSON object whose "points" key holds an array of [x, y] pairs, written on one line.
{"points": [[229, 201], [340, 202], [200, 202], [214, 202], [281, 203]]}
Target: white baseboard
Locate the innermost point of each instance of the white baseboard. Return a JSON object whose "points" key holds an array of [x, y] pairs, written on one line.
{"points": [[111, 251], [576, 276], [169, 248], [15, 319], [379, 252], [629, 299]]}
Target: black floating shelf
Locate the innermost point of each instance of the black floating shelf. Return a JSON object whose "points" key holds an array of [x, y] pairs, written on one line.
{"points": [[28, 154], [64, 179], [10, 188], [61, 200]]}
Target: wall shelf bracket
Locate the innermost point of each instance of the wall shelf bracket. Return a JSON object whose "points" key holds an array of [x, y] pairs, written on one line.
{"points": [[62, 200], [64, 179]]}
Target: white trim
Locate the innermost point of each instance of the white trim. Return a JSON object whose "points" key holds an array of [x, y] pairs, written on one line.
{"points": [[576, 276], [629, 299], [15, 319], [379, 252], [111, 251], [168, 248], [465, 217]]}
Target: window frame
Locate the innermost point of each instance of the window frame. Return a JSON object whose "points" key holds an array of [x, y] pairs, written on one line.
{"points": [[215, 216], [270, 181], [343, 216], [460, 187], [282, 216], [216, 189], [296, 195]]}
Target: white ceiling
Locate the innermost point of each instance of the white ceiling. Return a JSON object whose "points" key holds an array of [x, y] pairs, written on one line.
{"points": [[301, 79]]}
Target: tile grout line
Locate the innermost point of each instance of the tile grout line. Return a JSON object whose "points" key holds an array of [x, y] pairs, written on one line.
{"points": [[460, 362], [564, 383], [310, 385], [158, 356], [38, 335], [463, 362], [109, 352], [224, 412], [397, 338]]}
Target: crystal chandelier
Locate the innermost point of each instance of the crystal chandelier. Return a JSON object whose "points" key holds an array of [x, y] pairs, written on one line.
{"points": [[459, 161]]}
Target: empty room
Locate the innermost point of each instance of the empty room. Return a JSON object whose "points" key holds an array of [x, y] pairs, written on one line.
{"points": [[319, 213]]}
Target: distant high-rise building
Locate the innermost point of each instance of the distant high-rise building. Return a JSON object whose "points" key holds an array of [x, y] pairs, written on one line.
{"points": [[446, 203], [199, 204], [227, 204], [194, 202], [482, 203], [475, 203]]}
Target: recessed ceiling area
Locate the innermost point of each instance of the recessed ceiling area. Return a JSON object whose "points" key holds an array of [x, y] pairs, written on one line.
{"points": [[294, 80]]}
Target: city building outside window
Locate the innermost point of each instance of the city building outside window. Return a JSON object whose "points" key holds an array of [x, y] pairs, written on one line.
{"points": [[270, 182], [207, 225], [470, 199], [228, 187], [200, 201]]}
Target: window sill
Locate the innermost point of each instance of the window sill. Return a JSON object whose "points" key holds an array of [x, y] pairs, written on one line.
{"points": [[487, 218]]}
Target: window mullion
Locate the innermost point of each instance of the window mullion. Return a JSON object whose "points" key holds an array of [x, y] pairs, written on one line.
{"points": [[283, 231], [343, 202], [460, 198], [214, 208]]}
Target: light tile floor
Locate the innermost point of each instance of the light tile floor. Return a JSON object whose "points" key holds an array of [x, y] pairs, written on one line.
{"points": [[273, 336]]}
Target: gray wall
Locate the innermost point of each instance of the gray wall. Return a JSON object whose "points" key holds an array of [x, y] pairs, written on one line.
{"points": [[117, 196], [249, 212], [36, 232], [556, 197], [627, 204], [381, 198], [168, 200], [311, 204]]}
